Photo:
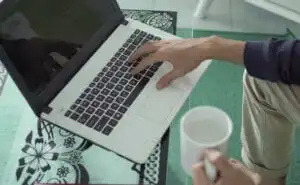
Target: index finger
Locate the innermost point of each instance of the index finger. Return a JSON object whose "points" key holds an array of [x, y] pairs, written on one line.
{"points": [[199, 177], [147, 48]]}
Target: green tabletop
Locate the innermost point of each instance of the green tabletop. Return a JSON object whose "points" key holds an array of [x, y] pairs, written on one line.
{"points": [[67, 158]]}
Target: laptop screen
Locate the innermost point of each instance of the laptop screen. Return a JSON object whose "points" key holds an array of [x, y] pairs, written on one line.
{"points": [[41, 36]]}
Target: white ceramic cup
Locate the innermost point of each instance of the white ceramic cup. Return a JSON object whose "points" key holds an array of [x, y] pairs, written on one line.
{"points": [[202, 128]]}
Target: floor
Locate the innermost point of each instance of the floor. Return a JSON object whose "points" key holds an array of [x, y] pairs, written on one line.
{"points": [[224, 15]]}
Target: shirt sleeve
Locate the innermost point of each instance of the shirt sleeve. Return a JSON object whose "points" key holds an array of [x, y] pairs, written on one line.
{"points": [[274, 60]]}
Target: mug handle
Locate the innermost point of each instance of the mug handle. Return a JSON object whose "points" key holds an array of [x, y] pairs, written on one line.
{"points": [[210, 170]]}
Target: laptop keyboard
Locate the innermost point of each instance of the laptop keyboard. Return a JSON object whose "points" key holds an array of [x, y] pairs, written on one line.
{"points": [[109, 95]]}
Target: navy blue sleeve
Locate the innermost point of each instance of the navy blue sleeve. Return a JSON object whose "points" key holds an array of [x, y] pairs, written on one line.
{"points": [[274, 60]]}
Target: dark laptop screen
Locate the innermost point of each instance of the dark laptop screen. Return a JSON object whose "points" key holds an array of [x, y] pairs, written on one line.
{"points": [[41, 36]]}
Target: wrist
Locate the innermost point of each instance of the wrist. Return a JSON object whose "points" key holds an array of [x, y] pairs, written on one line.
{"points": [[226, 49]]}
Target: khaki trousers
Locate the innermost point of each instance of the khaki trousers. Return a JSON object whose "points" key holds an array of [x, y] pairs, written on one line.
{"points": [[270, 114]]}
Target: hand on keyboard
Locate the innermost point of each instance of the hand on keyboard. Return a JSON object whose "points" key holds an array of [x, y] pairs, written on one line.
{"points": [[185, 55]]}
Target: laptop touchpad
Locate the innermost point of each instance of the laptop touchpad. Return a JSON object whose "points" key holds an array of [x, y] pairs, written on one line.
{"points": [[159, 103]]}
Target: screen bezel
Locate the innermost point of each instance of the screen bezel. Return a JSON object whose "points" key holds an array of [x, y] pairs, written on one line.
{"points": [[39, 101]]}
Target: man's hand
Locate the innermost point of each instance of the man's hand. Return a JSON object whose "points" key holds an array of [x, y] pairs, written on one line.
{"points": [[184, 55], [230, 172]]}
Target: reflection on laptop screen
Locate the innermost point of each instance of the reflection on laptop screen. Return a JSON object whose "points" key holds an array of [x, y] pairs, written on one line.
{"points": [[40, 36]]}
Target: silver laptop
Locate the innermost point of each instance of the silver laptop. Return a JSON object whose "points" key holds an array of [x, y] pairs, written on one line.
{"points": [[69, 60]]}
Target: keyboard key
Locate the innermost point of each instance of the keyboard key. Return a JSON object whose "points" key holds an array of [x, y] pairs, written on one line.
{"points": [[119, 63], [92, 121], [124, 94], [104, 79], [119, 74], [105, 69], [150, 36], [143, 33], [119, 87], [114, 68], [109, 74], [124, 69], [90, 97], [153, 68], [100, 97], [137, 40], [130, 40], [137, 76], [110, 112], [101, 123], [105, 91], [109, 64], [122, 109], [113, 59], [114, 80], [142, 72], [133, 36], [137, 31], [83, 118], [127, 52], [90, 110], [109, 99], [128, 76], [73, 107], [92, 85], [118, 116], [120, 100], [157, 38], [107, 130], [100, 85], [149, 74], [123, 82], [96, 79], [95, 103], [78, 101], [95, 91], [123, 58], [117, 54], [121, 50], [114, 93], [104, 105], [128, 88], [133, 82], [82, 96], [74, 116], [85, 103], [113, 122], [110, 86], [68, 113], [87, 90], [126, 45], [80, 110], [99, 112], [136, 91], [132, 47], [115, 106], [100, 74], [158, 64]]}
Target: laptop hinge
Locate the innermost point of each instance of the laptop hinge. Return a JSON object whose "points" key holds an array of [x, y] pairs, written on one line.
{"points": [[125, 22], [47, 110]]}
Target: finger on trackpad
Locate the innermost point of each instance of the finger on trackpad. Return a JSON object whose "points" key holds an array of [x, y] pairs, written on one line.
{"points": [[159, 103]]}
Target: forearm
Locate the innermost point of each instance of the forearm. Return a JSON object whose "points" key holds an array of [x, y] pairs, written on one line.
{"points": [[273, 60]]}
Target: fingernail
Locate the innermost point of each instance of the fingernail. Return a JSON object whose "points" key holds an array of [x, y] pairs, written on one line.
{"points": [[159, 86]]}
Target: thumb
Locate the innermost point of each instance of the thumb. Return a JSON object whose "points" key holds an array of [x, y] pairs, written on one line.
{"points": [[219, 161], [168, 78], [199, 176]]}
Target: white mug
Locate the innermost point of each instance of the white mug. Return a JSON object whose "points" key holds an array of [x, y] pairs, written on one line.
{"points": [[202, 128]]}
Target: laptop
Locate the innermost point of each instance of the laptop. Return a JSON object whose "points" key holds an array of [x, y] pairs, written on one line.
{"points": [[69, 60]]}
